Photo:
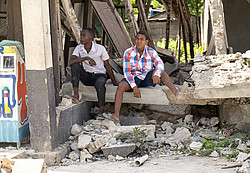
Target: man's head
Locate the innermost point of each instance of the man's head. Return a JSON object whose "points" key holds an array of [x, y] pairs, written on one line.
{"points": [[86, 35], [141, 39]]}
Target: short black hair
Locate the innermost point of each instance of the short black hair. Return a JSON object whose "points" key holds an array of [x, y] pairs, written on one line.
{"points": [[143, 33], [90, 30]]}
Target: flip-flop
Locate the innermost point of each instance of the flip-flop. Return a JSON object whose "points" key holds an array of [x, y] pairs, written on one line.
{"points": [[110, 117]]}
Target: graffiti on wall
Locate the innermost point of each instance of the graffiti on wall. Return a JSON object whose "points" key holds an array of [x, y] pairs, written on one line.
{"points": [[22, 93], [8, 101]]}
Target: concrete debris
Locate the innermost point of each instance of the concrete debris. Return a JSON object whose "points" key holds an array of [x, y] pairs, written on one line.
{"points": [[121, 150], [119, 158], [214, 154], [245, 168], [242, 157], [221, 70], [166, 126], [84, 155], [111, 158], [76, 129], [83, 141], [242, 147], [74, 155], [181, 133], [248, 144], [195, 146], [94, 147]]}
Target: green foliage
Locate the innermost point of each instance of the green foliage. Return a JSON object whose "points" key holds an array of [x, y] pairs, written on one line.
{"points": [[192, 7], [172, 45], [233, 155], [156, 4], [139, 138]]}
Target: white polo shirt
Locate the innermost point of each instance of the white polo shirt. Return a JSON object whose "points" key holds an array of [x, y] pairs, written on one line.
{"points": [[98, 53]]}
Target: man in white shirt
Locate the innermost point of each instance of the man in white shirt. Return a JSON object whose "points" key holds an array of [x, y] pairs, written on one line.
{"points": [[89, 64]]}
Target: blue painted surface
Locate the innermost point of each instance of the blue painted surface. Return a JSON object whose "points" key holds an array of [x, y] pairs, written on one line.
{"points": [[9, 131]]}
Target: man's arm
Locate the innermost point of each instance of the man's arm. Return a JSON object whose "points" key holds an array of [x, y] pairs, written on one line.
{"points": [[110, 72], [76, 59]]}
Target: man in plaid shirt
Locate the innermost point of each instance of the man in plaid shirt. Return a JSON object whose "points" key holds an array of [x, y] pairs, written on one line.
{"points": [[142, 67]]}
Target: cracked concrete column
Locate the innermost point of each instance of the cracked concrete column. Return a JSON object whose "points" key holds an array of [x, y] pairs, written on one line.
{"points": [[218, 24], [40, 79]]}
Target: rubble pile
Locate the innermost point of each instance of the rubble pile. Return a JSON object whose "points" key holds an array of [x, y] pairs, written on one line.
{"points": [[102, 139], [221, 70]]}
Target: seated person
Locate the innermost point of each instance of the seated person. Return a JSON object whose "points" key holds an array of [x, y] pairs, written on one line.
{"points": [[142, 67], [89, 64]]}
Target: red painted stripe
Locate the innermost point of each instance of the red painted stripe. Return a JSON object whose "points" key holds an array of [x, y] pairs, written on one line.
{"points": [[5, 94]]}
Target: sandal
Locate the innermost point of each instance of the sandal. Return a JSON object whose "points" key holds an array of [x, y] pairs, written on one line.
{"points": [[110, 117], [75, 99]]}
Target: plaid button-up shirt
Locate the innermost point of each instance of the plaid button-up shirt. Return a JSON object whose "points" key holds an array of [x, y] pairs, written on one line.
{"points": [[136, 66]]}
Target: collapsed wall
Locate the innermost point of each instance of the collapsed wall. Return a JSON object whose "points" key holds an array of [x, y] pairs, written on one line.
{"points": [[226, 77]]}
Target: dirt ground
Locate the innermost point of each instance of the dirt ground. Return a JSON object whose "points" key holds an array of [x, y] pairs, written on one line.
{"points": [[177, 164]]}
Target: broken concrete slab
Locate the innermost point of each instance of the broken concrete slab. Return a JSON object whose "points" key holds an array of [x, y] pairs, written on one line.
{"points": [[29, 166], [128, 121], [84, 155], [120, 150], [89, 94], [148, 129]]}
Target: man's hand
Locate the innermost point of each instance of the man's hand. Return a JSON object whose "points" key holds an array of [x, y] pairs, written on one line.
{"points": [[91, 61], [156, 80], [136, 92]]}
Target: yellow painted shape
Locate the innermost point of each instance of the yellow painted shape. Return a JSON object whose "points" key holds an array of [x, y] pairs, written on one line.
{"points": [[9, 49], [6, 108]]}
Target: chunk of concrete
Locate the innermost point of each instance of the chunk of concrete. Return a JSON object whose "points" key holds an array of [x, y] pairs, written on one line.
{"points": [[242, 157], [167, 126], [148, 129], [214, 154], [84, 155], [107, 123], [121, 150], [94, 147], [195, 146], [245, 167], [242, 147], [181, 134], [74, 155], [76, 129], [83, 141]]}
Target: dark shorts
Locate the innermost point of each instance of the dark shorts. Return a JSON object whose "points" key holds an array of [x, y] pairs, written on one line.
{"points": [[143, 83]]}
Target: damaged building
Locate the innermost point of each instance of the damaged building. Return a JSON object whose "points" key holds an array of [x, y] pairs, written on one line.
{"points": [[49, 31]]}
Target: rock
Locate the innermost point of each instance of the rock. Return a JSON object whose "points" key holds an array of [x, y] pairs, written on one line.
{"points": [[84, 155], [195, 146], [74, 155], [242, 147], [148, 129], [214, 154], [107, 123], [179, 110], [136, 106], [112, 141], [226, 152], [188, 118], [94, 147], [83, 141], [111, 158], [199, 68], [88, 128], [116, 135], [170, 68], [75, 129], [113, 128], [65, 102], [181, 133], [119, 158], [248, 143], [167, 127], [242, 157], [180, 145], [153, 122], [245, 167], [214, 121], [121, 150], [74, 146]]}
